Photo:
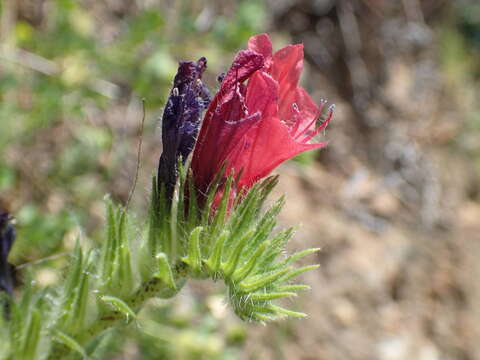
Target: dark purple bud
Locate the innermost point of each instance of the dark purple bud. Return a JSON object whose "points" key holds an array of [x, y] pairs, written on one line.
{"points": [[7, 237], [220, 77], [181, 120]]}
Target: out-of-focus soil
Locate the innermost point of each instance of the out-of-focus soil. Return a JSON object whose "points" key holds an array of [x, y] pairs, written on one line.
{"points": [[391, 202]]}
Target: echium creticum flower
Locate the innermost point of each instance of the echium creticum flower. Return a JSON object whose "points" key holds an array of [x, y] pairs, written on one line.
{"points": [[7, 237], [259, 118], [251, 127], [181, 119]]}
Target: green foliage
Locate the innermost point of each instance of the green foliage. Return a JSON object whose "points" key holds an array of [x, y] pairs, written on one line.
{"points": [[236, 245], [40, 234], [108, 285]]}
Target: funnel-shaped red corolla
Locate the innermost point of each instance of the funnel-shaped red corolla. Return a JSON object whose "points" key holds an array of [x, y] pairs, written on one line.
{"points": [[259, 118]]}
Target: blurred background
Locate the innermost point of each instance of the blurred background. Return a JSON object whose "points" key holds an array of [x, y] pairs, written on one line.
{"points": [[394, 201]]}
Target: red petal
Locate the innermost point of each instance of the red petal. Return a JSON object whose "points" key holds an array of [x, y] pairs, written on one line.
{"points": [[270, 144], [254, 128], [261, 44], [262, 94], [244, 64], [261, 101], [286, 69], [303, 112], [311, 133], [226, 120]]}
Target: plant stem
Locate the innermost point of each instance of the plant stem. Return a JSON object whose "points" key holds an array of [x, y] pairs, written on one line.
{"points": [[109, 318]]}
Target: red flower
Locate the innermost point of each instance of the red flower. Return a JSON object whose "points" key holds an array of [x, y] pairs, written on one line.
{"points": [[250, 129]]}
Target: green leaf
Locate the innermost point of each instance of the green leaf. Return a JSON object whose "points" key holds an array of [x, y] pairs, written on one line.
{"points": [[32, 335], [110, 246], [77, 316], [68, 341], [76, 266]]}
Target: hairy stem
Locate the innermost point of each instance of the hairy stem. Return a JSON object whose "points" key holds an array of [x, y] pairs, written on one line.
{"points": [[109, 317]]}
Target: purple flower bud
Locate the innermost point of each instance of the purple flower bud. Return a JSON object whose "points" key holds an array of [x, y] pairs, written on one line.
{"points": [[7, 237], [181, 120]]}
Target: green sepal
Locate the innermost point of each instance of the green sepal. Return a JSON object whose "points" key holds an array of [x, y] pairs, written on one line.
{"points": [[286, 312], [165, 271], [215, 260], [271, 296], [120, 306], [295, 272], [297, 256], [293, 287], [193, 208], [256, 282], [221, 212], [194, 258], [248, 267], [229, 266]]}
